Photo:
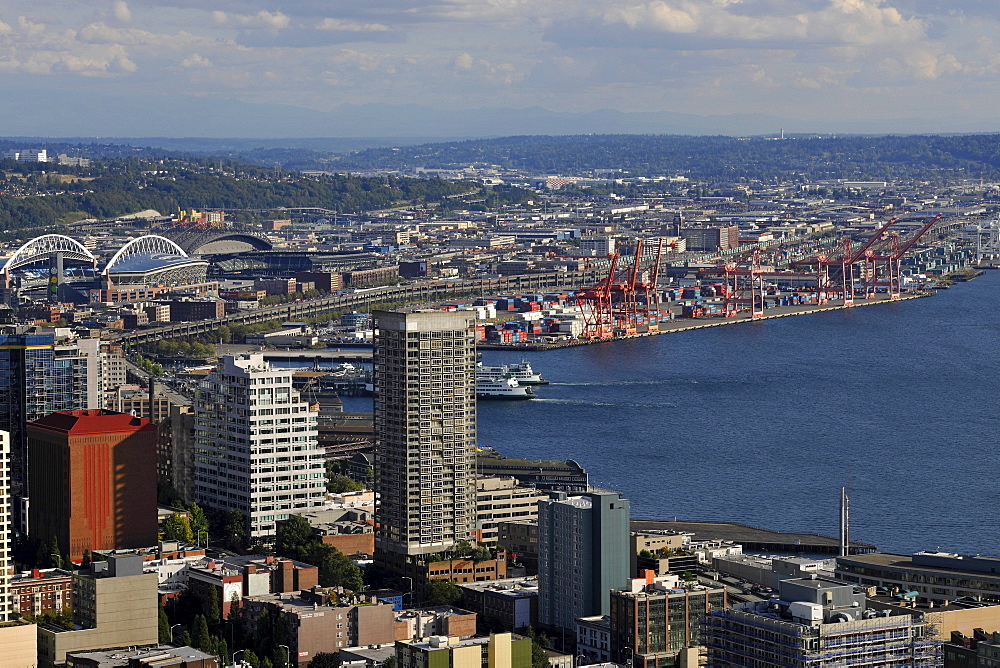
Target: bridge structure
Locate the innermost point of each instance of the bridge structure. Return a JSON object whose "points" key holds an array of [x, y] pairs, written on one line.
{"points": [[425, 291], [55, 249], [193, 239]]}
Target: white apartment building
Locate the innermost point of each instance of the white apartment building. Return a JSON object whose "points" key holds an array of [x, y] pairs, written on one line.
{"points": [[255, 444], [6, 564], [27, 155], [598, 245]]}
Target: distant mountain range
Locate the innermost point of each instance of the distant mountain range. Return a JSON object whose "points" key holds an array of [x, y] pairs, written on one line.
{"points": [[47, 113]]}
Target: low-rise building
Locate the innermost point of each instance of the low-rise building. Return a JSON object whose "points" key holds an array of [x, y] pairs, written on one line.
{"points": [[656, 622], [115, 605], [502, 499], [593, 638], [314, 622], [500, 650], [520, 539], [504, 604], [441, 620], [817, 622], [39, 591], [161, 656], [19, 645], [932, 576]]}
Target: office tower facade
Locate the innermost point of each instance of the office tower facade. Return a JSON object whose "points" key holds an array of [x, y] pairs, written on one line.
{"points": [[255, 444], [583, 545], [38, 375], [425, 430], [93, 473]]}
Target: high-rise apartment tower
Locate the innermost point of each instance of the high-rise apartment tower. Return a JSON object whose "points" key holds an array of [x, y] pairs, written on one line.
{"points": [[6, 561], [425, 430], [255, 444]]}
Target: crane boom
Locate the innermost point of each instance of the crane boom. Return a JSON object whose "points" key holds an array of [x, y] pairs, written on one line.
{"points": [[909, 244], [857, 255]]}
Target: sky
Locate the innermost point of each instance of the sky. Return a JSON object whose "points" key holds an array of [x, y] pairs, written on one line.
{"points": [[823, 61]]}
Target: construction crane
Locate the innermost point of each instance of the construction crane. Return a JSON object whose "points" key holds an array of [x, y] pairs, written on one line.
{"points": [[888, 261], [618, 303], [844, 256], [744, 286]]}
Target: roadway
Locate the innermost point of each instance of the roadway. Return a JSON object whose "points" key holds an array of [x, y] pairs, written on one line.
{"points": [[427, 291]]}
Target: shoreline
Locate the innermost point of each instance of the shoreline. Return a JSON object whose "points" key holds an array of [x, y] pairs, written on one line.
{"points": [[688, 324]]}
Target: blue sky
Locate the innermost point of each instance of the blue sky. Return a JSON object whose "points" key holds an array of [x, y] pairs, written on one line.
{"points": [[821, 60]]}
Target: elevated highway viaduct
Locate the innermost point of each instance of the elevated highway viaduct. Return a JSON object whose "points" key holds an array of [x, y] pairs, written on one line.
{"points": [[412, 293]]}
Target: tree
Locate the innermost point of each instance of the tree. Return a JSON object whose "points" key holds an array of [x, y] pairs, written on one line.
{"points": [[199, 521], [325, 660], [338, 484], [222, 649], [234, 528], [292, 537], [335, 569], [163, 625], [199, 633], [177, 527], [539, 642], [443, 592], [389, 663], [88, 559]]}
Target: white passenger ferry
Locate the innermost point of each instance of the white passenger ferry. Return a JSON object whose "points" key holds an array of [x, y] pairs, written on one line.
{"points": [[519, 371], [489, 387]]}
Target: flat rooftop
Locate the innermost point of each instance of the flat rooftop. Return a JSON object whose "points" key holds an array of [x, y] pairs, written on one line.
{"points": [[753, 538], [906, 561]]}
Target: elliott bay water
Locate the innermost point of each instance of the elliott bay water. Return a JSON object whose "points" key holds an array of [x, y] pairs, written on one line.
{"points": [[762, 423]]}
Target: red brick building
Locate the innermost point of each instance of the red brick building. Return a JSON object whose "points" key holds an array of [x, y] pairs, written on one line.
{"points": [[92, 476], [39, 591]]}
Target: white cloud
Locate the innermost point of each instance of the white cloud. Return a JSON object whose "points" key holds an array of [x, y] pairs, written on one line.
{"points": [[196, 60], [350, 26], [262, 19], [122, 12]]}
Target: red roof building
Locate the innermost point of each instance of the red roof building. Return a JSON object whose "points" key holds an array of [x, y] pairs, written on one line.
{"points": [[92, 476]]}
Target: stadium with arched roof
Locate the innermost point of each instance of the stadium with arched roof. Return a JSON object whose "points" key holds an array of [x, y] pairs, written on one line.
{"points": [[151, 260]]}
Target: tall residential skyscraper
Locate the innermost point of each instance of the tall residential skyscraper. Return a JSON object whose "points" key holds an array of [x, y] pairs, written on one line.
{"points": [[255, 444], [41, 373], [583, 553], [425, 430], [93, 476], [6, 562], [18, 639]]}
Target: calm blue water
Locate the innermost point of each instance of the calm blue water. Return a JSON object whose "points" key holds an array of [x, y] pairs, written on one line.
{"points": [[763, 423]]}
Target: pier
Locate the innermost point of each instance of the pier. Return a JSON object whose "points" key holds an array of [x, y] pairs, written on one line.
{"points": [[688, 324]]}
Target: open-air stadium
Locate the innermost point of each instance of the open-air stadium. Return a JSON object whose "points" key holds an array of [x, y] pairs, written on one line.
{"points": [[151, 259]]}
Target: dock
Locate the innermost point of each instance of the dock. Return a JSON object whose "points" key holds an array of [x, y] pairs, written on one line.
{"points": [[687, 324], [755, 539]]}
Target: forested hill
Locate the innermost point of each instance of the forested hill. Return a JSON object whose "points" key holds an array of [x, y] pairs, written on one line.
{"points": [[727, 159], [36, 195]]}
